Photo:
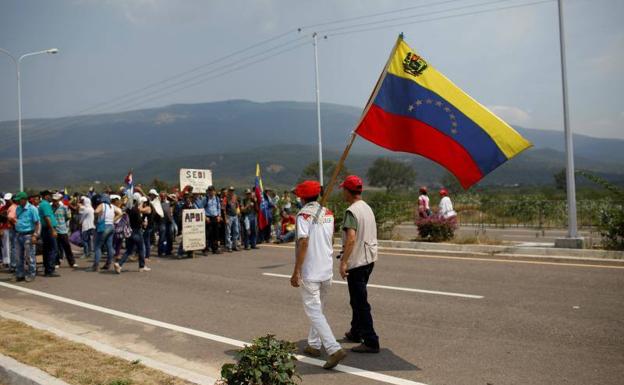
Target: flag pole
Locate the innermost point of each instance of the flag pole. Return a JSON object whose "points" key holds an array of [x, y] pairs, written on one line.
{"points": [[329, 187]]}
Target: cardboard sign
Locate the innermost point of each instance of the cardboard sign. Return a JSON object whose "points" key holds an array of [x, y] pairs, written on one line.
{"points": [[193, 229], [200, 180]]}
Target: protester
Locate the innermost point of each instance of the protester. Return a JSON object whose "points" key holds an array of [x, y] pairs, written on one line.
{"points": [[121, 225], [165, 232], [106, 214], [27, 228], [87, 223], [152, 218], [136, 240], [62, 215], [445, 208], [285, 202], [6, 232], [48, 234], [250, 220], [424, 210], [185, 204], [287, 228], [232, 223], [314, 269], [358, 258], [213, 218]]}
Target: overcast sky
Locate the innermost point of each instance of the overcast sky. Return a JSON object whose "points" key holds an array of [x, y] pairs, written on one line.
{"points": [[508, 60]]}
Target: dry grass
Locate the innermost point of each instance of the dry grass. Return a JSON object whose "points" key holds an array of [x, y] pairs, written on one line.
{"points": [[72, 362], [476, 240]]}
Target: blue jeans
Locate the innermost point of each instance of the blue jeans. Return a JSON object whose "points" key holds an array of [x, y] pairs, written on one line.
{"points": [[287, 237], [232, 232], [87, 238], [25, 253], [251, 230], [135, 240], [50, 250], [165, 239], [147, 242], [104, 238]]}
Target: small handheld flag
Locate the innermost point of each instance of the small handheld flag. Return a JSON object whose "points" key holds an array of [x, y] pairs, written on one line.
{"points": [[416, 109]]}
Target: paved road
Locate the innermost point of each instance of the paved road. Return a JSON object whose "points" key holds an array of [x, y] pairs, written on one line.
{"points": [[536, 323]]}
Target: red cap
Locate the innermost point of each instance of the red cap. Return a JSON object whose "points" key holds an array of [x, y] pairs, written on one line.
{"points": [[308, 189], [443, 192], [353, 183]]}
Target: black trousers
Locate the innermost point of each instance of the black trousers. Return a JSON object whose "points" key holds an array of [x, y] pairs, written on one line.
{"points": [[49, 250], [362, 320], [212, 234], [64, 247]]}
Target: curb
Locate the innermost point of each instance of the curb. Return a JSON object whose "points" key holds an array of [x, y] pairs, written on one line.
{"points": [[500, 250], [13, 372], [175, 371]]}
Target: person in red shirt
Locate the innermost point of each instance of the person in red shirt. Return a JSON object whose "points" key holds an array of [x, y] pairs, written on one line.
{"points": [[287, 233]]}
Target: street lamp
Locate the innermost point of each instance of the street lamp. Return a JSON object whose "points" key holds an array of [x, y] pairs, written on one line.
{"points": [[17, 63]]}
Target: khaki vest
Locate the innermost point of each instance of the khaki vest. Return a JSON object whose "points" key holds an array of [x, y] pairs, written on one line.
{"points": [[365, 247]]}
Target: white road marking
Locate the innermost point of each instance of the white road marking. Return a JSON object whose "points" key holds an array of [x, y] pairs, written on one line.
{"points": [[213, 337], [396, 288]]}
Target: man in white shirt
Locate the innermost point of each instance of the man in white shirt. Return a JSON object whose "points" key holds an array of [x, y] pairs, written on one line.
{"points": [[445, 208], [314, 270]]}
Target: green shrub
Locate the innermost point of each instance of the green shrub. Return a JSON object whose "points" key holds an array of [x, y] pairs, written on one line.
{"points": [[267, 361], [612, 228], [436, 229]]}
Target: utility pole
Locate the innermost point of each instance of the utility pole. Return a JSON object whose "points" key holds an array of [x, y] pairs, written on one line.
{"points": [[318, 108], [572, 241]]}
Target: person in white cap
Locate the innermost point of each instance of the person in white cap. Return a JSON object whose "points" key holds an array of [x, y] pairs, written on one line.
{"points": [[87, 222], [6, 232]]}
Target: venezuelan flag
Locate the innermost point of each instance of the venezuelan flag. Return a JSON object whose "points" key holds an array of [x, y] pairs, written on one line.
{"points": [[416, 109], [263, 205]]}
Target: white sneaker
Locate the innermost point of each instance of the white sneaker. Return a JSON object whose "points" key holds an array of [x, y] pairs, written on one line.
{"points": [[75, 266], [144, 269], [57, 266], [117, 268]]}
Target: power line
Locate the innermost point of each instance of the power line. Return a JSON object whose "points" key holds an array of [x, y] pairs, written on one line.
{"points": [[371, 15], [73, 120], [440, 18], [486, 3]]}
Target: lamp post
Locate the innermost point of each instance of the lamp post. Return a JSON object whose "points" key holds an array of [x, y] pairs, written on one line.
{"points": [[17, 62], [318, 108]]}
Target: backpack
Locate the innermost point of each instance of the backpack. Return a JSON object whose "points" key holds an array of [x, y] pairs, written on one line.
{"points": [[122, 228]]}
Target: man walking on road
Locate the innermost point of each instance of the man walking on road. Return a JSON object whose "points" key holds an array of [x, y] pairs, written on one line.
{"points": [[27, 228], [48, 234], [359, 254], [313, 270]]}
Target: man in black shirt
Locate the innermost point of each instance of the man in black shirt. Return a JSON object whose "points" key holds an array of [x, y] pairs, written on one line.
{"points": [[136, 239]]}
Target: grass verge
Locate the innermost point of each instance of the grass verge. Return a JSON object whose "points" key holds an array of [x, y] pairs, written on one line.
{"points": [[72, 362]]}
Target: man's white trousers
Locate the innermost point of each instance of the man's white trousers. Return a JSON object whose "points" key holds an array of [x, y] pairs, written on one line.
{"points": [[313, 295]]}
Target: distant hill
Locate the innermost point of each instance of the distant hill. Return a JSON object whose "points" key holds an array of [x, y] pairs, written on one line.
{"points": [[231, 136]]}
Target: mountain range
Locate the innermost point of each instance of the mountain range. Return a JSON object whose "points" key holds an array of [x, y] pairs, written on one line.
{"points": [[229, 137]]}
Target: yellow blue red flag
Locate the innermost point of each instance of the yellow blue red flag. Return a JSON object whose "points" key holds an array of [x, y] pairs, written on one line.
{"points": [[416, 109]]}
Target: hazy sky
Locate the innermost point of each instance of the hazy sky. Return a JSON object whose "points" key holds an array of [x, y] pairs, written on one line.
{"points": [[508, 60]]}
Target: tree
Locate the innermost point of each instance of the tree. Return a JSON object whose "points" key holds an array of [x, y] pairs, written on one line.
{"points": [[160, 185], [391, 174], [560, 179], [311, 171], [451, 183]]}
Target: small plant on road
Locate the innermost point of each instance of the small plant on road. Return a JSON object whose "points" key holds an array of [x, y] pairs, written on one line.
{"points": [[267, 361]]}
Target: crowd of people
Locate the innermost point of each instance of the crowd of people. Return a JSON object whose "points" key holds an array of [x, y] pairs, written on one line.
{"points": [[49, 222], [137, 221]]}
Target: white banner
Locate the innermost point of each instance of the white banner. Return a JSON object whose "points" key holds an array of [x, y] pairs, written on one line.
{"points": [[193, 229], [200, 180]]}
